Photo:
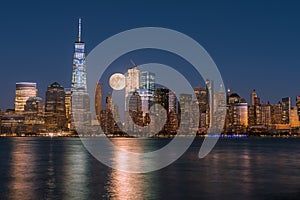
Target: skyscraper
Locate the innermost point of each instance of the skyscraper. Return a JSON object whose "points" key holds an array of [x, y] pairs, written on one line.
{"points": [[185, 101], [185, 110], [240, 116], [98, 100], [132, 83], [237, 114], [219, 103], [34, 115], [68, 102], [255, 111], [79, 67], [294, 119], [202, 101], [108, 102], [286, 108], [162, 97], [298, 106], [201, 96], [24, 90], [145, 98], [55, 110], [34, 105], [147, 81], [253, 96], [266, 114], [227, 95], [147, 89], [276, 113], [211, 107], [81, 114], [172, 121], [172, 102]]}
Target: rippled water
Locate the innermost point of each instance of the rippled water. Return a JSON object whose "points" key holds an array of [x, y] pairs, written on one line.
{"points": [[41, 168]]}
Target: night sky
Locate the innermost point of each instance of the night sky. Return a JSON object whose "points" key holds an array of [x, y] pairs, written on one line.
{"points": [[255, 44]]}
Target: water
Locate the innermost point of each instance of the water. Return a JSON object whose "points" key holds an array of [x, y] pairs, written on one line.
{"points": [[61, 168]]}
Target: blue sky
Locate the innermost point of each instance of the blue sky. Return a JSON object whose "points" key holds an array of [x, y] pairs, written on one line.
{"points": [[255, 44]]}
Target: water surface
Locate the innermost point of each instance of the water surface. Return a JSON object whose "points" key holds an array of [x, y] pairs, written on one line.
{"points": [[61, 168]]}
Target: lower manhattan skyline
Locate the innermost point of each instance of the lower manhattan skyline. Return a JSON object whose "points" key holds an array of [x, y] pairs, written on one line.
{"points": [[149, 100], [255, 45]]}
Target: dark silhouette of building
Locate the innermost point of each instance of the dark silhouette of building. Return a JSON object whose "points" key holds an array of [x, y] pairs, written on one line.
{"points": [[55, 110], [34, 115], [162, 97]]}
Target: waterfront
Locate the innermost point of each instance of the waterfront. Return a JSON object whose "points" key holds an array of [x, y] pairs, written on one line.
{"points": [[60, 168]]}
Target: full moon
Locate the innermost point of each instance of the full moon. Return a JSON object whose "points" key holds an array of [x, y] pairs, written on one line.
{"points": [[117, 81]]}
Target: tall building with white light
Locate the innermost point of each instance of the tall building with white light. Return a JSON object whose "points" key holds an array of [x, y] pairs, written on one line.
{"points": [[80, 98], [132, 84], [147, 81], [147, 90], [79, 67], [24, 90]]}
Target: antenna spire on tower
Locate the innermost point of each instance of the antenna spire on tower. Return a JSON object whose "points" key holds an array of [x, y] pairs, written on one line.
{"points": [[133, 63], [79, 30]]}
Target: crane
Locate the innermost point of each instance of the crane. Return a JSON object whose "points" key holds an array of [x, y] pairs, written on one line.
{"points": [[133, 63]]}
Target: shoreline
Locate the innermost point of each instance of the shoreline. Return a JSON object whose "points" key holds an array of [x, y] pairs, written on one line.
{"points": [[234, 136]]}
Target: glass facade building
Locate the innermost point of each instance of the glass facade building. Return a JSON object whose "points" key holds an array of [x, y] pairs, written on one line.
{"points": [[79, 67], [147, 89], [147, 81], [80, 106]]}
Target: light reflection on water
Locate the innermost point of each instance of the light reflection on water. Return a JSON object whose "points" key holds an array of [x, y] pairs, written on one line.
{"points": [[41, 168], [134, 186], [22, 169], [75, 173]]}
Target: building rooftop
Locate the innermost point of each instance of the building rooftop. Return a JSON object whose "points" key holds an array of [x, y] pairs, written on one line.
{"points": [[234, 95], [56, 85], [32, 99]]}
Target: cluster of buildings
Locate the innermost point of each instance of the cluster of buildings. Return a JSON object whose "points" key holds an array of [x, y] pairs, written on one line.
{"points": [[33, 116], [258, 117], [148, 109], [176, 114], [141, 115], [197, 112]]}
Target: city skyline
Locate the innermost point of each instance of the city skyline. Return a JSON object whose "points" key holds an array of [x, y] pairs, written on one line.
{"points": [[202, 112], [258, 52], [150, 99], [198, 111], [254, 117]]}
